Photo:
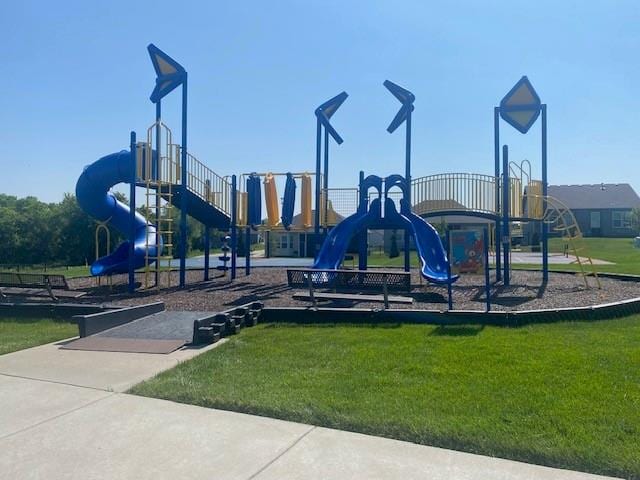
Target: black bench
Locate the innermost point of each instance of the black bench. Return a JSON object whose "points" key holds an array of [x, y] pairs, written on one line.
{"points": [[46, 281], [360, 280]]}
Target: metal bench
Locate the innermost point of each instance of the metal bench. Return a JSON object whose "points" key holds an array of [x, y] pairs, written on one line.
{"points": [[22, 281], [361, 280]]}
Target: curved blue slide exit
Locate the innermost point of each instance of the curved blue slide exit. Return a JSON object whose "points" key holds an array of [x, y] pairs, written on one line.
{"points": [[337, 241], [431, 252], [94, 197]]}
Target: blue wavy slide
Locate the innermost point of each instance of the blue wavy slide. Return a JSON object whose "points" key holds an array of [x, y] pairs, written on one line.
{"points": [[337, 241], [433, 256], [94, 197]]}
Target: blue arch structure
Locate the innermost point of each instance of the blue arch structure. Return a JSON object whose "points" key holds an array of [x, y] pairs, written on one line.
{"points": [[431, 252]]}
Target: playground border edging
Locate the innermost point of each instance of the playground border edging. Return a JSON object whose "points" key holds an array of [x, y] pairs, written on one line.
{"points": [[453, 317], [98, 322], [64, 310]]}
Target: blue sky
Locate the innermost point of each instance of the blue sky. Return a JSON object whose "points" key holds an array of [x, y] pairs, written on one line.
{"points": [[77, 78]]}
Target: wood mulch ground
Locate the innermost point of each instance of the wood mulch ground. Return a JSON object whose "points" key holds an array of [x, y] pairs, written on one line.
{"points": [[269, 285]]}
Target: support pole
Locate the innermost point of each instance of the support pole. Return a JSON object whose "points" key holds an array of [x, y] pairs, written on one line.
{"points": [[234, 227], [487, 282], [316, 229], [207, 249], [325, 182], [362, 244], [132, 213], [158, 174], [407, 176], [184, 187], [496, 154], [207, 236], [506, 241], [247, 251], [545, 226], [449, 287]]}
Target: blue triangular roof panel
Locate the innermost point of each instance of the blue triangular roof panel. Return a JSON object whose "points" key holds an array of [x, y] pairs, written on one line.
{"points": [[170, 73]]}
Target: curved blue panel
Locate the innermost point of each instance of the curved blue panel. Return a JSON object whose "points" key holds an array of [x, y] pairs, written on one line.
{"points": [[94, 197], [433, 256], [254, 201], [289, 202], [335, 245]]}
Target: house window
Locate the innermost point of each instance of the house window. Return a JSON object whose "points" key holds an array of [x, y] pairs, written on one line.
{"points": [[286, 241], [621, 219]]}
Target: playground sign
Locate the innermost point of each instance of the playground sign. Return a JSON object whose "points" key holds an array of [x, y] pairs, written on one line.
{"points": [[170, 74], [520, 107], [467, 251]]}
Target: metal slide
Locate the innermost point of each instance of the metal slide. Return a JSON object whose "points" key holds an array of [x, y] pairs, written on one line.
{"points": [[94, 197], [335, 245]]}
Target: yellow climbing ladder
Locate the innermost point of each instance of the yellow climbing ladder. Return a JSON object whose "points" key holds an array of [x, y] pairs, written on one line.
{"points": [[158, 178], [560, 219]]}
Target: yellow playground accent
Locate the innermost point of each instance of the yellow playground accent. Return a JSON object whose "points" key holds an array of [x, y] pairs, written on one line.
{"points": [[271, 199], [560, 219], [306, 200], [242, 208]]}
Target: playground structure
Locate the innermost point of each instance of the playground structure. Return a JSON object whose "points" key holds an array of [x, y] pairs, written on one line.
{"points": [[172, 178]]}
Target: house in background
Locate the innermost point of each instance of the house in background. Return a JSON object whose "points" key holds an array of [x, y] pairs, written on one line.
{"points": [[296, 243], [601, 210]]}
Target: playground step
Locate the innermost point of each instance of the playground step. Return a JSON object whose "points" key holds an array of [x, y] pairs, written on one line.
{"points": [[209, 334]]}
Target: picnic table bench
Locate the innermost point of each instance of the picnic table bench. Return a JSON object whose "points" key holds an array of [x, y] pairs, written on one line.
{"points": [[361, 280], [33, 284]]}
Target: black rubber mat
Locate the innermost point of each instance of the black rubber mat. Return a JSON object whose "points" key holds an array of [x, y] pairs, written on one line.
{"points": [[158, 326], [128, 345]]}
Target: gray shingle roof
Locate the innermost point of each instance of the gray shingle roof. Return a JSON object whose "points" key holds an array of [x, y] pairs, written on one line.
{"points": [[601, 195]]}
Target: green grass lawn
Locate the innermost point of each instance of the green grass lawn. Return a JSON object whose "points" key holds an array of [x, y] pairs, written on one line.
{"points": [[17, 333], [564, 394]]}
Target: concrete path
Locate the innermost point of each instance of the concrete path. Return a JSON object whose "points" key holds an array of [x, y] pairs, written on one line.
{"points": [[62, 417]]}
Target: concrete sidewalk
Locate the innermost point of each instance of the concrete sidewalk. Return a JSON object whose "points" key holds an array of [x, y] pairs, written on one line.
{"points": [[62, 417]]}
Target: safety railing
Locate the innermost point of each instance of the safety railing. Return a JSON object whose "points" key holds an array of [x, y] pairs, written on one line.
{"points": [[454, 192], [342, 202], [206, 184]]}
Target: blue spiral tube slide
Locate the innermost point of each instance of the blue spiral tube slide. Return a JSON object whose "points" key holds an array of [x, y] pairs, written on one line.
{"points": [[94, 197]]}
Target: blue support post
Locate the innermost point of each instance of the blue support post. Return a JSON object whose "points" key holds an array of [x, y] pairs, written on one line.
{"points": [[247, 252], [158, 177], [325, 183], [362, 246], [545, 227], [316, 229], [207, 237], [183, 200], [506, 241], [234, 227], [207, 250], [132, 213], [496, 154], [449, 287], [407, 176], [487, 282]]}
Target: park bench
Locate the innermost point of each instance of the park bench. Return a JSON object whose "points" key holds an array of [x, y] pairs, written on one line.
{"points": [[35, 284], [360, 280]]}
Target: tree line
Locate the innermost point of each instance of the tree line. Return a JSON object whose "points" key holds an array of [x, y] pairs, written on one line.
{"points": [[33, 232]]}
